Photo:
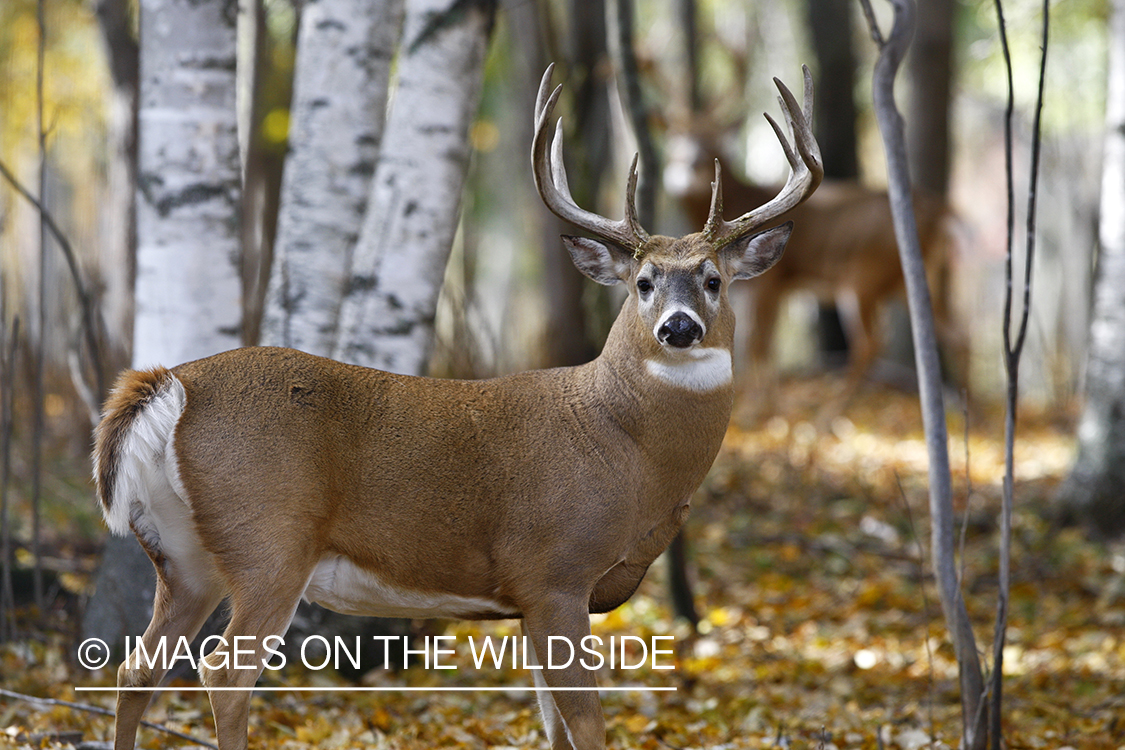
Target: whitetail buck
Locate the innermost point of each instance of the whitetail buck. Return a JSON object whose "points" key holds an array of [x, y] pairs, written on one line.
{"points": [[842, 249], [267, 475]]}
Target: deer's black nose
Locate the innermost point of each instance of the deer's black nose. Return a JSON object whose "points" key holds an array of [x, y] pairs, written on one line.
{"points": [[680, 330]]}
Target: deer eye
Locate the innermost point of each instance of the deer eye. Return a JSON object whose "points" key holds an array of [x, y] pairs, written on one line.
{"points": [[714, 284], [644, 286]]}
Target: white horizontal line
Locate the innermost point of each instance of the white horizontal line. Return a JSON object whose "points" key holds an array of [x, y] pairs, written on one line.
{"points": [[389, 689]]}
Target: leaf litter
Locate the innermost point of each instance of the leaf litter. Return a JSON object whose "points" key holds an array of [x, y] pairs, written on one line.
{"points": [[821, 626]]}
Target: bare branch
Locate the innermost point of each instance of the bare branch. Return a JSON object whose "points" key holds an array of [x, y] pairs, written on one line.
{"points": [[892, 49], [103, 712], [872, 24], [8, 351], [89, 315], [1012, 354]]}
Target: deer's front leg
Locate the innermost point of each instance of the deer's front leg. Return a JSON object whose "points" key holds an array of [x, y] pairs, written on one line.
{"points": [[552, 720], [573, 718]]}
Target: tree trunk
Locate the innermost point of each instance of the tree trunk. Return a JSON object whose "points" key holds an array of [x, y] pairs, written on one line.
{"points": [[830, 26], [578, 316], [259, 182], [930, 68], [686, 17], [571, 336], [117, 262], [187, 289], [387, 313], [125, 582], [344, 54], [1092, 492], [565, 340], [627, 72]]}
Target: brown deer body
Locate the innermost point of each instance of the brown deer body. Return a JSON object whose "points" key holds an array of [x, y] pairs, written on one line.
{"points": [[266, 475], [842, 249]]}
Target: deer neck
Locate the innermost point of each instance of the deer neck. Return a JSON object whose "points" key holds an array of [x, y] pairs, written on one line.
{"points": [[675, 406]]}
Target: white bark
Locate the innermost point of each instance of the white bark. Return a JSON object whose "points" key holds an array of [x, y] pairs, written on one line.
{"points": [[1093, 489], [344, 54], [187, 288], [387, 315], [187, 285]]}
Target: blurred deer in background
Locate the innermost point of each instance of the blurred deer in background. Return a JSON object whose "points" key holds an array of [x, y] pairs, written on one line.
{"points": [[842, 249]]}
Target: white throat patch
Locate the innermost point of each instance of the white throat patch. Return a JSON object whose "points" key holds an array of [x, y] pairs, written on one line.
{"points": [[699, 369]]}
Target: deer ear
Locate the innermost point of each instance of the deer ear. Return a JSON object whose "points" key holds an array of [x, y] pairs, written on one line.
{"points": [[604, 263], [756, 253]]}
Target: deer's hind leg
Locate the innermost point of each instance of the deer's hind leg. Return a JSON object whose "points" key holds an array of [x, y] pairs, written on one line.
{"points": [[757, 383], [182, 604]]}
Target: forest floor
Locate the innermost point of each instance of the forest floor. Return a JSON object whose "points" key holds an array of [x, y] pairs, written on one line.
{"points": [[821, 624]]}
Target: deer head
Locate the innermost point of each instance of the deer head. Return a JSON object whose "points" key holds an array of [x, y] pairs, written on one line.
{"points": [[678, 286]]}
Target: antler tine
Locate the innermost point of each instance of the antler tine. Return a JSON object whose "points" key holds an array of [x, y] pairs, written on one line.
{"points": [[715, 217], [558, 168], [544, 93], [551, 181], [805, 170], [631, 204], [808, 147], [808, 91]]}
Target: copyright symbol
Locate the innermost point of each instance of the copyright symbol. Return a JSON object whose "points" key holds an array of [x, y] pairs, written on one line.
{"points": [[93, 653]]}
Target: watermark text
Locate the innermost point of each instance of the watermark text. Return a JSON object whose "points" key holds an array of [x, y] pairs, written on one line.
{"points": [[445, 652]]}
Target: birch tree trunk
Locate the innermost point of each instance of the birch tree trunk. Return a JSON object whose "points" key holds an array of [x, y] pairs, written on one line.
{"points": [[188, 287], [390, 298], [1093, 490], [344, 54], [188, 290]]}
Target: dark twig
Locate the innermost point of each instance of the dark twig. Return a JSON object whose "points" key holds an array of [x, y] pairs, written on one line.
{"points": [[1013, 351], [39, 354], [85, 300], [872, 23], [103, 712], [968, 496], [7, 396]]}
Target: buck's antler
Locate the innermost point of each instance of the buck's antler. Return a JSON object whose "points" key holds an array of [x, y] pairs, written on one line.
{"points": [[805, 171], [550, 180]]}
